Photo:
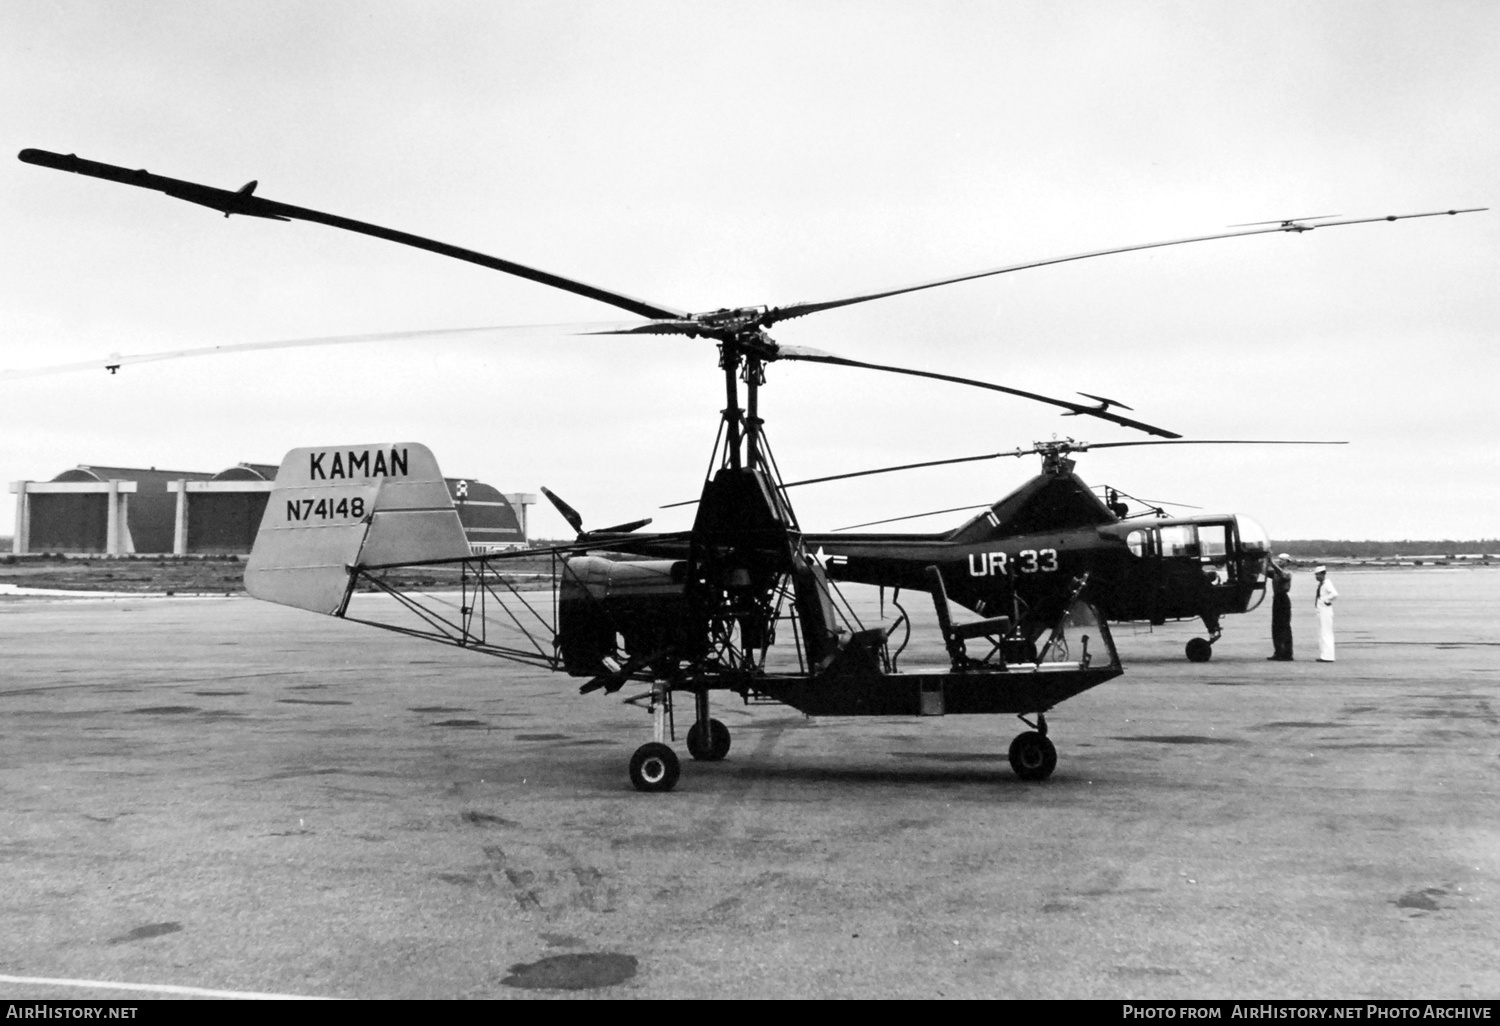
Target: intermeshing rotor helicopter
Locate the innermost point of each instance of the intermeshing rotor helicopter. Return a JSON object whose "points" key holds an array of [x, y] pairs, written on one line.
{"points": [[702, 610]]}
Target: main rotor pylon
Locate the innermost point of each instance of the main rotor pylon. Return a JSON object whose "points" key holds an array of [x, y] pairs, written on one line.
{"points": [[746, 552]]}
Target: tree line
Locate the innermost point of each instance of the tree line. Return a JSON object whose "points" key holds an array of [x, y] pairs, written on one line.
{"points": [[1369, 549]]}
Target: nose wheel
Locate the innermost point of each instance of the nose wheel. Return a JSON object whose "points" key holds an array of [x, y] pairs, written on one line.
{"points": [[1032, 755], [1201, 650]]}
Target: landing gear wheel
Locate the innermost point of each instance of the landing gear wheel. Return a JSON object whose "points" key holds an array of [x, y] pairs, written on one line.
{"points": [[1032, 756], [718, 741], [1199, 650], [654, 767]]}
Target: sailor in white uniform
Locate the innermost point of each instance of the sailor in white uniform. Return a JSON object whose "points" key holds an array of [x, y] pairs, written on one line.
{"points": [[1323, 600]]}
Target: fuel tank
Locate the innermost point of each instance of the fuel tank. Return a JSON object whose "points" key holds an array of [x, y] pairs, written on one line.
{"points": [[616, 609]]}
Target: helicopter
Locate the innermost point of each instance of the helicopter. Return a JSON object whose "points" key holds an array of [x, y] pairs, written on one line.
{"points": [[702, 623], [1016, 554]]}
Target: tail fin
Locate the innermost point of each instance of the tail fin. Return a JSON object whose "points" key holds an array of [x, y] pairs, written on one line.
{"points": [[335, 508]]}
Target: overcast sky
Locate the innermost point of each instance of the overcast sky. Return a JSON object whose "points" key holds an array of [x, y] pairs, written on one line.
{"points": [[701, 155]]}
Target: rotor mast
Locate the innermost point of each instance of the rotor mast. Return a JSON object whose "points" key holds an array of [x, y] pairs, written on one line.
{"points": [[744, 350], [744, 442]]}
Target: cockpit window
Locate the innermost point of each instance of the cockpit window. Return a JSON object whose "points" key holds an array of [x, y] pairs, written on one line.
{"points": [[1213, 539], [1253, 537], [1178, 540], [1137, 542]]}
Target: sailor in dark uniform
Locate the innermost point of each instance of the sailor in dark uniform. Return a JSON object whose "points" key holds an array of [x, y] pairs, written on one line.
{"points": [[1281, 607]]}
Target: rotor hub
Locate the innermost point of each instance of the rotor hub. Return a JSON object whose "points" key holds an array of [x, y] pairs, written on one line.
{"points": [[732, 322], [1054, 455]]}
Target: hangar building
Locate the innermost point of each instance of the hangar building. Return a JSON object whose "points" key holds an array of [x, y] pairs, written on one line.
{"points": [[123, 510]]}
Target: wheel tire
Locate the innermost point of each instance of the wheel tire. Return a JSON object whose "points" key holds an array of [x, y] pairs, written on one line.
{"points": [[718, 742], [1032, 756], [1199, 650], [654, 767]]}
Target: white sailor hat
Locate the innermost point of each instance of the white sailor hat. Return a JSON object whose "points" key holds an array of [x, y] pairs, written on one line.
{"points": [[1320, 569]]}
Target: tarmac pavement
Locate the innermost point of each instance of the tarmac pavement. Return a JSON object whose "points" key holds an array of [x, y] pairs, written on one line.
{"points": [[228, 795]]}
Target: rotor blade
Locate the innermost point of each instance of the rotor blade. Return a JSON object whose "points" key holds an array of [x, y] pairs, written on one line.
{"points": [[243, 202], [115, 361], [1282, 220], [1159, 502], [568, 512], [1085, 446], [801, 309], [794, 353], [892, 470], [1106, 402], [916, 516], [1079, 409], [619, 528], [1150, 503], [1038, 450], [661, 326]]}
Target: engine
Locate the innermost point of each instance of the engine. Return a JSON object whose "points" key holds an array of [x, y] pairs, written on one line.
{"points": [[618, 610]]}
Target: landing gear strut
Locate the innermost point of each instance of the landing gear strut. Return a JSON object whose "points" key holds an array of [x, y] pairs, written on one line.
{"points": [[654, 766], [1032, 755], [714, 747], [707, 739]]}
